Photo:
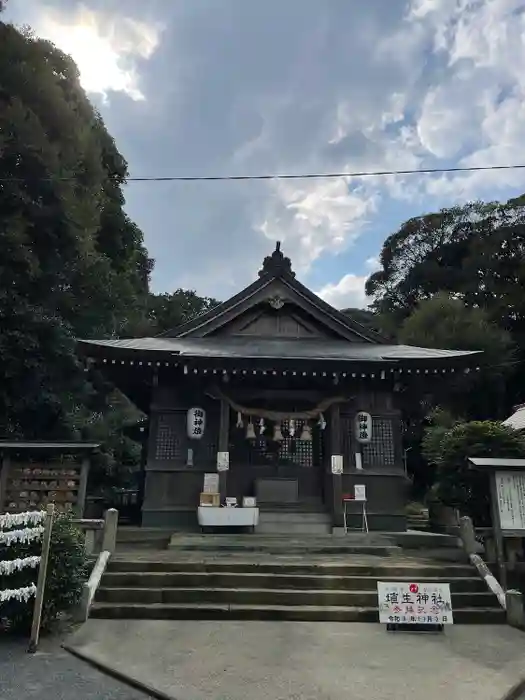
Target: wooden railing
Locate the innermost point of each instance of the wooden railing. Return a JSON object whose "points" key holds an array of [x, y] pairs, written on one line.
{"points": [[510, 600]]}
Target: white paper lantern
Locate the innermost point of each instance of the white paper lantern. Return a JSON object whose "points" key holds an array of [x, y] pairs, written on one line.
{"points": [[196, 423], [363, 427]]}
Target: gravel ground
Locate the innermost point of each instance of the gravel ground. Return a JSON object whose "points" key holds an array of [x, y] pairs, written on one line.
{"points": [[54, 674]]}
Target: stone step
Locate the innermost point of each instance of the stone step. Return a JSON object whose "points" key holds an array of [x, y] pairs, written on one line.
{"points": [[214, 579], [182, 611], [293, 527], [268, 597], [294, 517], [387, 568], [279, 544]]}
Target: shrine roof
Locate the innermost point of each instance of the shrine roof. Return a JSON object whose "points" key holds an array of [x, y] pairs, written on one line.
{"points": [[242, 347], [275, 267]]}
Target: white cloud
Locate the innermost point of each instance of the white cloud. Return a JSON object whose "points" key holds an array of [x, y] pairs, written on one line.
{"points": [[475, 113], [314, 218], [105, 47], [349, 292]]}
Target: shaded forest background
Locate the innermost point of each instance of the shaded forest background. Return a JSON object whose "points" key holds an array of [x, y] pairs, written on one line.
{"points": [[73, 265]]}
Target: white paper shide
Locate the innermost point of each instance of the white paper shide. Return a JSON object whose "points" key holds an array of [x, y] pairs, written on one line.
{"points": [[414, 603], [19, 528]]}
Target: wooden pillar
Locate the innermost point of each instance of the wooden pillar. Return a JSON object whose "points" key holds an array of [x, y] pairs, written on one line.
{"points": [[82, 488], [224, 433], [496, 528], [4, 475], [336, 448]]}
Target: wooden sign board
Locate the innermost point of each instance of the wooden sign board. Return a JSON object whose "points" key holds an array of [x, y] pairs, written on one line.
{"points": [[510, 494], [28, 486]]}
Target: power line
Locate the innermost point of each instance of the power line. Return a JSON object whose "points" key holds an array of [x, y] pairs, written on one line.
{"points": [[289, 176]]}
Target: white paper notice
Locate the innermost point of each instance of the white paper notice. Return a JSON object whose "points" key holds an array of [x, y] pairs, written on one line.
{"points": [[223, 461], [510, 488], [211, 483], [360, 492], [414, 603]]}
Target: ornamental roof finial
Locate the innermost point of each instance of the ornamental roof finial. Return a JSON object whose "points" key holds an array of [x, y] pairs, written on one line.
{"points": [[276, 264]]}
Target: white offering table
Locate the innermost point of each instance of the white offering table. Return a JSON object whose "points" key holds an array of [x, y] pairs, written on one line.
{"points": [[210, 516]]}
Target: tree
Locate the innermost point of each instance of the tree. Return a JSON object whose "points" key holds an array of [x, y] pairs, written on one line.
{"points": [[167, 311], [476, 253], [457, 485], [446, 322], [71, 263]]}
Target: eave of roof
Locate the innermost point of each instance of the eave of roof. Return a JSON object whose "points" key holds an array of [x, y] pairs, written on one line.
{"points": [[36, 445], [271, 349], [497, 462]]}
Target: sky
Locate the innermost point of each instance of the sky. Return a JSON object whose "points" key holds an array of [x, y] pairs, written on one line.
{"points": [[248, 87]]}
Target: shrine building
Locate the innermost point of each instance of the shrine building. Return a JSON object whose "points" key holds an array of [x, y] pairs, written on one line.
{"points": [[288, 400]]}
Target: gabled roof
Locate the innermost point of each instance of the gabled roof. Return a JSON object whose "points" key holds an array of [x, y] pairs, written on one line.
{"points": [[276, 267]]}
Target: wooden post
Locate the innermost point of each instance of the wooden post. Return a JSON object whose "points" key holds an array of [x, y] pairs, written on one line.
{"points": [[4, 475], [41, 582], [224, 440], [498, 535], [82, 488], [337, 479]]}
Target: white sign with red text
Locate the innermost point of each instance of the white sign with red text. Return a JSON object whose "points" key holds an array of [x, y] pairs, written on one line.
{"points": [[414, 603]]}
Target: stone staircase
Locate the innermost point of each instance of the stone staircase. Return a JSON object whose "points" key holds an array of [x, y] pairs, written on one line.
{"points": [[167, 585]]}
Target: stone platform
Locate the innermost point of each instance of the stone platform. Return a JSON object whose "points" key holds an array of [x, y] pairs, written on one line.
{"points": [[232, 660]]}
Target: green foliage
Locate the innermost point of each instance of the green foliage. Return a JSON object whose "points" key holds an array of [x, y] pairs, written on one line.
{"points": [[457, 485], [474, 253], [446, 322], [67, 570], [72, 264], [441, 421], [167, 311]]}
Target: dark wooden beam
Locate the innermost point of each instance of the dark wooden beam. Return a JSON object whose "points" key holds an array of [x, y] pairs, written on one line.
{"points": [[224, 432]]}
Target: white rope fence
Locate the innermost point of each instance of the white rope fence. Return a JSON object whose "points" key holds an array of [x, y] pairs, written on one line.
{"points": [[25, 528]]}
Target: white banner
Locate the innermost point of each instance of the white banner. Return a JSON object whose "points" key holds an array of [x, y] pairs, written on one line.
{"points": [[414, 603]]}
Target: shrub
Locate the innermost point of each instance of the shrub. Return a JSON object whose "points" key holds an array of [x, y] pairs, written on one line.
{"points": [[67, 570], [459, 486]]}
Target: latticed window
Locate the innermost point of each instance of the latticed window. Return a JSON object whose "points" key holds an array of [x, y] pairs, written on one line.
{"points": [[380, 451], [293, 449]]}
